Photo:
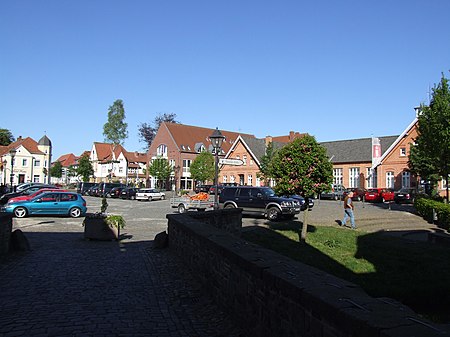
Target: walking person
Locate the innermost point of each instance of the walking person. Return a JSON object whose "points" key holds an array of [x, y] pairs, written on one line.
{"points": [[348, 210]]}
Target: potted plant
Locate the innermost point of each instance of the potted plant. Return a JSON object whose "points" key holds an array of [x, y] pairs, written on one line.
{"points": [[103, 226]]}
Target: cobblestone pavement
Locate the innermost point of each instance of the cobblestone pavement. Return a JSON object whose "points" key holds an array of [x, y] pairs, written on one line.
{"points": [[67, 286]]}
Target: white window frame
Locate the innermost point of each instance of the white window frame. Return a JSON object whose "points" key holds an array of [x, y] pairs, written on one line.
{"points": [[406, 179], [162, 151], [371, 177], [224, 179], [353, 177], [390, 179], [187, 167], [250, 180], [338, 176], [403, 152], [244, 159]]}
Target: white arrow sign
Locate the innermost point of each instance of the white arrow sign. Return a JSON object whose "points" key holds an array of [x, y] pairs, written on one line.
{"points": [[234, 162]]}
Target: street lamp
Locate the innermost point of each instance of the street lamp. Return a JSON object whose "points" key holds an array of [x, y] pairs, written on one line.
{"points": [[12, 152], [216, 140], [4, 172]]}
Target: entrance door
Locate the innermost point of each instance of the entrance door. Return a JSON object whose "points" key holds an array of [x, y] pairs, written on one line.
{"points": [[21, 178]]}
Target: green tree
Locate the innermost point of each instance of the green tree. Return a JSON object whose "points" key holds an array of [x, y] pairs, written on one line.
{"points": [[56, 170], [430, 155], [161, 170], [265, 169], [202, 167], [302, 167], [115, 129], [6, 137], [85, 169], [148, 132]]}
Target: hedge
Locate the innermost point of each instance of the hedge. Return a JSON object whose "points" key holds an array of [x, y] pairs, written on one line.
{"points": [[425, 208]]}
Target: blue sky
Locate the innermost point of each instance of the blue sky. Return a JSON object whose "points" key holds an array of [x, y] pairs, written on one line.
{"points": [[334, 69]]}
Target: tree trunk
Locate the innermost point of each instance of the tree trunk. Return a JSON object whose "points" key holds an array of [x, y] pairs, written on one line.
{"points": [[305, 225]]}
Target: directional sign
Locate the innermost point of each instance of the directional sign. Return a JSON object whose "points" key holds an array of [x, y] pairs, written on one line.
{"points": [[234, 162]]}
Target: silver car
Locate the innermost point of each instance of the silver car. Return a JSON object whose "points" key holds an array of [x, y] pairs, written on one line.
{"points": [[149, 194]]}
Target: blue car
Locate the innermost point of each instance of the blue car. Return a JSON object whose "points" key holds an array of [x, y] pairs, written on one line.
{"points": [[50, 203]]}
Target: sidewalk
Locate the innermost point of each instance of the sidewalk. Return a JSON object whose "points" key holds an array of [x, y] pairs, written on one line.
{"points": [[67, 286]]}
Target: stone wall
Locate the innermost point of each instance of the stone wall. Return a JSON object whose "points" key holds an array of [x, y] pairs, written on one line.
{"points": [[271, 295], [5, 232], [229, 220]]}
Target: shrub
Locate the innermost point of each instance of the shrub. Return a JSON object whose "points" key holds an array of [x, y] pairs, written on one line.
{"points": [[425, 209]]}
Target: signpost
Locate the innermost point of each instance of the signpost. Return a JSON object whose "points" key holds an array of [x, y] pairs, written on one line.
{"points": [[233, 162]]}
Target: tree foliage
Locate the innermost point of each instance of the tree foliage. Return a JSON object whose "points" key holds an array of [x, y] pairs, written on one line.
{"points": [[85, 169], [6, 137], [160, 169], [115, 129], [265, 164], [430, 155], [202, 167], [56, 170], [147, 132], [302, 167]]}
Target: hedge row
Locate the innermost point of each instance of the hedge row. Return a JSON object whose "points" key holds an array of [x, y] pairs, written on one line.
{"points": [[425, 208]]}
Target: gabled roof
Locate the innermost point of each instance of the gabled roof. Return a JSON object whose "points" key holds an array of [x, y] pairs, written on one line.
{"points": [[136, 157], [187, 137], [68, 160], [105, 150], [355, 150], [28, 143]]}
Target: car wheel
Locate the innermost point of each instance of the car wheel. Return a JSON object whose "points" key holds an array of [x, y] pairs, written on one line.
{"points": [[273, 214], [181, 208], [163, 197], [149, 198], [20, 212], [383, 200], [133, 197], [229, 206], [336, 197], [75, 212], [358, 198]]}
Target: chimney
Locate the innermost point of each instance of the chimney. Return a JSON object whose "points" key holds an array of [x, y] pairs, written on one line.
{"points": [[291, 136], [268, 140]]}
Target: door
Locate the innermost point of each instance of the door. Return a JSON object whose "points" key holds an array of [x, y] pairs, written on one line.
{"points": [[46, 203]]}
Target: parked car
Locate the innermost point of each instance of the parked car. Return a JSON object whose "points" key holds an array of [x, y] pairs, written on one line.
{"points": [[405, 196], [303, 204], [104, 189], [149, 194], [128, 193], [358, 193], [212, 189], [49, 203], [258, 201], [92, 191], [336, 192], [24, 186], [379, 194], [27, 191], [202, 188], [116, 192], [35, 194], [83, 187]]}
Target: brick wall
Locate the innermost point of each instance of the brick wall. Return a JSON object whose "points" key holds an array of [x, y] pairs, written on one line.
{"points": [[271, 295], [5, 232]]}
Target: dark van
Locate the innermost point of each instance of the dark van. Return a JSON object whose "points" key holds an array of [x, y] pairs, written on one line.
{"points": [[82, 187], [104, 189]]}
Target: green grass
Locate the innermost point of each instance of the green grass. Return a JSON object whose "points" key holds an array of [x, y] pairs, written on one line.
{"points": [[414, 273]]}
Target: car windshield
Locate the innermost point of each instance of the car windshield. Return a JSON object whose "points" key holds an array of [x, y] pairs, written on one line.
{"points": [[268, 192], [372, 190]]}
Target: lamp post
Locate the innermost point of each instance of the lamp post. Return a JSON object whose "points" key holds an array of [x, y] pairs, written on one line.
{"points": [[216, 140], [12, 152], [4, 172]]}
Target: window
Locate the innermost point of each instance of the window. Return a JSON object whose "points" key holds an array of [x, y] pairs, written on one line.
{"points": [[337, 176], [250, 180], [232, 179], [244, 159], [37, 162], [24, 162], [186, 166], [35, 179], [224, 179], [403, 152], [371, 178], [258, 181], [390, 180], [406, 179], [444, 183], [161, 150], [353, 177]]}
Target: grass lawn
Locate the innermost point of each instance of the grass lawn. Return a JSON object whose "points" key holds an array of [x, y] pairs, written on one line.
{"points": [[414, 273]]}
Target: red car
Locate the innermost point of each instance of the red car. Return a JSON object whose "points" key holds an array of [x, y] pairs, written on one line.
{"points": [[379, 194], [31, 196]]}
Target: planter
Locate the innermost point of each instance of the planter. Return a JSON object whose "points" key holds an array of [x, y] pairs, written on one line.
{"points": [[96, 228]]}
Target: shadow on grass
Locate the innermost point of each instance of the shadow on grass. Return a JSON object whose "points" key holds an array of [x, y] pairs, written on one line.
{"points": [[412, 272]]}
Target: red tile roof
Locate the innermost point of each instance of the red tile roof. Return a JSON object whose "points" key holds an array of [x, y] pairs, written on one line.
{"points": [[67, 160], [104, 151], [186, 136], [28, 143]]}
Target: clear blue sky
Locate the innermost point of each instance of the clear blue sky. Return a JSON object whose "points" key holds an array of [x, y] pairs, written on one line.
{"points": [[334, 69]]}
